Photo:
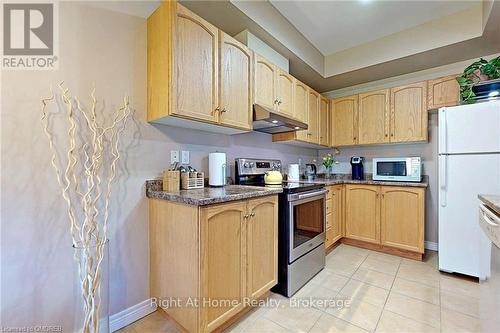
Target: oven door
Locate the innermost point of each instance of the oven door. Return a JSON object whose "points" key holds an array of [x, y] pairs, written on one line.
{"points": [[307, 217]]}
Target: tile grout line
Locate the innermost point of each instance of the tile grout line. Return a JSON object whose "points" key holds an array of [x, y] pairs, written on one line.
{"points": [[390, 290]]}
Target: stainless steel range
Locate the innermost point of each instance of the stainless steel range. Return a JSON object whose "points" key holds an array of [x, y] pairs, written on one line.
{"points": [[302, 218]]}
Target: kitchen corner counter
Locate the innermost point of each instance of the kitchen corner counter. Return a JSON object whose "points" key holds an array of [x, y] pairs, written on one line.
{"points": [[492, 201], [208, 195], [339, 179]]}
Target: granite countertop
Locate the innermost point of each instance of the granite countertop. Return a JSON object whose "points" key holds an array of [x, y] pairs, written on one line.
{"points": [[208, 195], [337, 179], [492, 201]]}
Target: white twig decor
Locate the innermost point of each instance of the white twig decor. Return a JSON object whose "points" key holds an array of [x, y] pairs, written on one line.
{"points": [[85, 163]]}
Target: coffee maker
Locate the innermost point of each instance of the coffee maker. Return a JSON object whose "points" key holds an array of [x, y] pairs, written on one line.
{"points": [[358, 172]]}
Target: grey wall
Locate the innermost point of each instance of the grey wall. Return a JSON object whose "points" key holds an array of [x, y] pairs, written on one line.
{"points": [[109, 49], [428, 152]]}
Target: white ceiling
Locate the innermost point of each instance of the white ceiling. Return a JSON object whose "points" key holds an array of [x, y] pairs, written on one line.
{"points": [[332, 26], [141, 8]]}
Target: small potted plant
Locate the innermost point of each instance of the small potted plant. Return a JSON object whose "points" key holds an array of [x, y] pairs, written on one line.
{"points": [[479, 71], [328, 162]]}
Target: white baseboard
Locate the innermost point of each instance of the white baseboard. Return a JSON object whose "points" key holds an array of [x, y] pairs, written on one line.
{"points": [[431, 245], [131, 314]]}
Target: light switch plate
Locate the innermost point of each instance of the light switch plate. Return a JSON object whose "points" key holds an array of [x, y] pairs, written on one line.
{"points": [[185, 157], [174, 156]]}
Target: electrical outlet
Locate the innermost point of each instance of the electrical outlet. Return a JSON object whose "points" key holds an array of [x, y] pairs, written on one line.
{"points": [[174, 156], [185, 157]]}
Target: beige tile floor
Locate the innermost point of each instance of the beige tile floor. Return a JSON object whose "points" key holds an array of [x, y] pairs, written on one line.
{"points": [[386, 294]]}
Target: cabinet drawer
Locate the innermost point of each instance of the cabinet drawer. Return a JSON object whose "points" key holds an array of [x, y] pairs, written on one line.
{"points": [[329, 220], [329, 206], [329, 237]]}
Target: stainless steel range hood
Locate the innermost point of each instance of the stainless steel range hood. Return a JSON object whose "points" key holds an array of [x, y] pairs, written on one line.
{"points": [[268, 121]]}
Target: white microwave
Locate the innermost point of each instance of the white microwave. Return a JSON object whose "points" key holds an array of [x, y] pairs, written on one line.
{"points": [[406, 169]]}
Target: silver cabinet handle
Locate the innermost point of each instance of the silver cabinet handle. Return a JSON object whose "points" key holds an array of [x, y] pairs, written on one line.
{"points": [[252, 214], [223, 110]]}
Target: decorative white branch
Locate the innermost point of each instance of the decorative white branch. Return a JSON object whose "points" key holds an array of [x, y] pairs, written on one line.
{"points": [[84, 173]]}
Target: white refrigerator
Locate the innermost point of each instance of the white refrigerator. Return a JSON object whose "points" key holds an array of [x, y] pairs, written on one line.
{"points": [[469, 164]]}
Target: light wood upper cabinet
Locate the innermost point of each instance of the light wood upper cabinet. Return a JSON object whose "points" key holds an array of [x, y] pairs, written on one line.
{"points": [[345, 121], [409, 113], [442, 92], [301, 104], [265, 82], [324, 118], [362, 218], [402, 218], [236, 77], [313, 130], [373, 120], [262, 244], [195, 67], [285, 93], [198, 77], [223, 264]]}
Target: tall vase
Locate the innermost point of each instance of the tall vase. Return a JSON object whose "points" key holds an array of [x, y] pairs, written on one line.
{"points": [[91, 287]]}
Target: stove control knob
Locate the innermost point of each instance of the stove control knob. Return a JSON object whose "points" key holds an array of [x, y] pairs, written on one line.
{"points": [[252, 164], [246, 165]]}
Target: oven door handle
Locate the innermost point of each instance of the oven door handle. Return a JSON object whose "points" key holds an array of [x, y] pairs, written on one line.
{"points": [[312, 194]]}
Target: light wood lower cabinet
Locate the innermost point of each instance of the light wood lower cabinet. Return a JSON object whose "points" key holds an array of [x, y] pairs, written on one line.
{"points": [[334, 215], [390, 216], [262, 247], [362, 220], [223, 271], [402, 218], [222, 253]]}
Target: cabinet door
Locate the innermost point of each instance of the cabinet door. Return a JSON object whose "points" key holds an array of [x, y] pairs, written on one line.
{"points": [[223, 260], [265, 82], [442, 92], [235, 83], [285, 93], [409, 113], [362, 213], [345, 121], [313, 130], [324, 135], [195, 67], [402, 218], [300, 102], [262, 245], [337, 212], [374, 117]]}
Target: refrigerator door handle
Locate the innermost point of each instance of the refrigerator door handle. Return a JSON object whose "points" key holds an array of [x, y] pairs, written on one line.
{"points": [[442, 132], [442, 179]]}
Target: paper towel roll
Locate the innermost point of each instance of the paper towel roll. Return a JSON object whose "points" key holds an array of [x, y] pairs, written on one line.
{"points": [[217, 169], [293, 172]]}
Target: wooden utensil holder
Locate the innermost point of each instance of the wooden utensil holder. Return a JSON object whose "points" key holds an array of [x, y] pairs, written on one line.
{"points": [[171, 181]]}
